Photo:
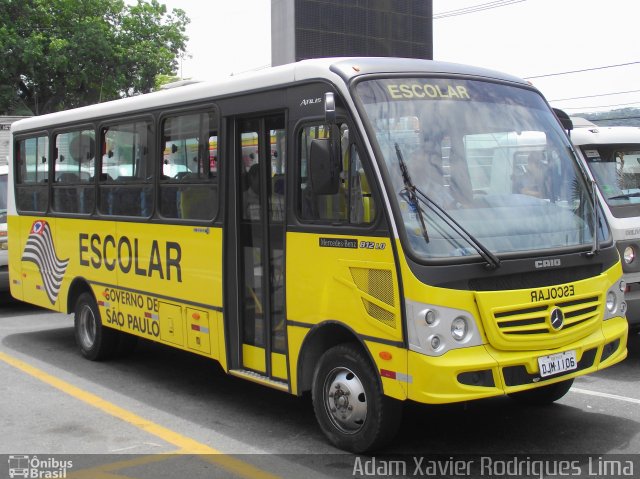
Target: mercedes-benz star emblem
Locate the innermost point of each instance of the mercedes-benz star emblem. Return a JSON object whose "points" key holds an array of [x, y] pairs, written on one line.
{"points": [[557, 319]]}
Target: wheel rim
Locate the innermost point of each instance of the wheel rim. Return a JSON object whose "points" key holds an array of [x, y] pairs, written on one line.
{"points": [[87, 327], [345, 400]]}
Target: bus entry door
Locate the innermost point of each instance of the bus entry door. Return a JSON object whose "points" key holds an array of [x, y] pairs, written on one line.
{"points": [[261, 228]]}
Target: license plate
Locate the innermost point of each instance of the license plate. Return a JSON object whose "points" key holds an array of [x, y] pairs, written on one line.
{"points": [[557, 363]]}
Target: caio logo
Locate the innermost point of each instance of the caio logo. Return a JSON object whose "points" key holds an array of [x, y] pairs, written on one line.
{"points": [[547, 263]]}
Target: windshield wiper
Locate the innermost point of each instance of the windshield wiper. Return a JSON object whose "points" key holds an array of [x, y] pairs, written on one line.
{"points": [[493, 262], [411, 192], [625, 196]]}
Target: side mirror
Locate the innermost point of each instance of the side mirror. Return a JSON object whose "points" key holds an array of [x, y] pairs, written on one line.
{"points": [[325, 161], [330, 108], [564, 119], [324, 167]]}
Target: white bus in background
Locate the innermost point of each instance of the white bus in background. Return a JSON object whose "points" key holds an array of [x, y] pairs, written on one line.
{"points": [[612, 153], [501, 158]]}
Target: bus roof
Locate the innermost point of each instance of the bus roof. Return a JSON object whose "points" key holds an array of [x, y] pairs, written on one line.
{"points": [[604, 135], [323, 68]]}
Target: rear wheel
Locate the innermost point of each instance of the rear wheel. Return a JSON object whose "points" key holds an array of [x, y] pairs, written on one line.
{"points": [[348, 401], [544, 394], [94, 340]]}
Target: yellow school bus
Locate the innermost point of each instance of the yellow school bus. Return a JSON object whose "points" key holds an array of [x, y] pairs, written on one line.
{"points": [[371, 231]]}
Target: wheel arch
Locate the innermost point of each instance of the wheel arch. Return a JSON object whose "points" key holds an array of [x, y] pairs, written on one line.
{"points": [[78, 286], [320, 339]]}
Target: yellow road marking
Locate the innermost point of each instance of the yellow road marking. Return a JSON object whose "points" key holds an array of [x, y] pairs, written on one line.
{"points": [[185, 444], [105, 471]]}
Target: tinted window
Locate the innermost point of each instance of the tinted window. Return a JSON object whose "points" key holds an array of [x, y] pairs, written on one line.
{"points": [[32, 170], [352, 203], [73, 191], [126, 169], [189, 181]]}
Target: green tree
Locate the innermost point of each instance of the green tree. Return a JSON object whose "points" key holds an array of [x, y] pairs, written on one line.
{"points": [[59, 54]]}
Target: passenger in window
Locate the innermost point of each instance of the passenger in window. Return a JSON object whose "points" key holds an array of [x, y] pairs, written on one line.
{"points": [[535, 181]]}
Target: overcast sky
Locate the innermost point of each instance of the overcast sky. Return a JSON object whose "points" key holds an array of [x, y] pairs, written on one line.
{"points": [[526, 38]]}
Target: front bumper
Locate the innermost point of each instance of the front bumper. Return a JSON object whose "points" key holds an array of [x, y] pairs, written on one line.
{"points": [[482, 371]]}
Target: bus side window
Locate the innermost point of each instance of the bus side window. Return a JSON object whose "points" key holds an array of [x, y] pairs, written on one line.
{"points": [[362, 208], [126, 170], [353, 203], [73, 188], [189, 165], [32, 167]]}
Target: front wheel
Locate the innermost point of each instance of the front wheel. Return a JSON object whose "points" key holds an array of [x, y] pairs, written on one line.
{"points": [[544, 394], [348, 401], [94, 340]]}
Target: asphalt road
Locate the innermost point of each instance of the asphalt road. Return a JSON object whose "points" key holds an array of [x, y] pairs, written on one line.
{"points": [[164, 413]]}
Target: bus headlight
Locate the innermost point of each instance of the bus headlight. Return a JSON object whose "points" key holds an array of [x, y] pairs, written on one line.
{"points": [[434, 330], [430, 316], [612, 302], [629, 255], [459, 328]]}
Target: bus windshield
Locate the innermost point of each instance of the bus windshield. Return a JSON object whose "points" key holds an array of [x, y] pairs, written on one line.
{"points": [[488, 159], [616, 169]]}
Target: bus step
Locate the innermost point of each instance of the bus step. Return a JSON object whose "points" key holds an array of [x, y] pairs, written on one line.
{"points": [[260, 379]]}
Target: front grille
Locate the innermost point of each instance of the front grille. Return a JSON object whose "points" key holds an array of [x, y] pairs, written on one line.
{"points": [[535, 320], [526, 324]]}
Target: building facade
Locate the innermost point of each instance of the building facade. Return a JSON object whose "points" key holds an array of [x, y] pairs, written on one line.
{"points": [[303, 29], [5, 127]]}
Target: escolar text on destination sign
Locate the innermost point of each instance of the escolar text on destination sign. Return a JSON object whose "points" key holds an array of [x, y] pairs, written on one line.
{"points": [[403, 91]]}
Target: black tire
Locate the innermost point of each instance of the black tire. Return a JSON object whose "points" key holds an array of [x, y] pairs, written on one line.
{"points": [[348, 401], [95, 341], [544, 394]]}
